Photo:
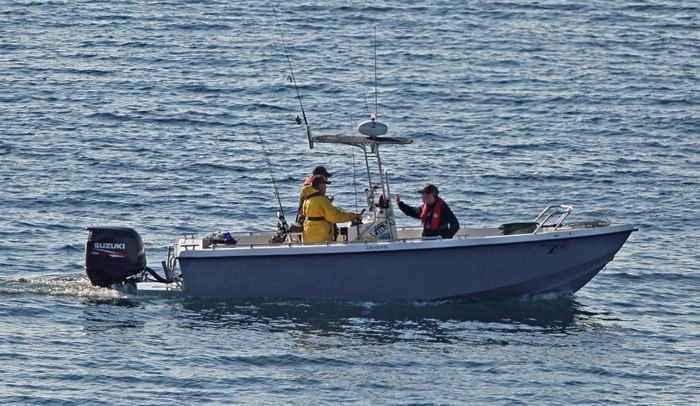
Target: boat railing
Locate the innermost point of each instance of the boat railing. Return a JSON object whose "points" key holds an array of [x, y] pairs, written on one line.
{"points": [[549, 212], [188, 241]]}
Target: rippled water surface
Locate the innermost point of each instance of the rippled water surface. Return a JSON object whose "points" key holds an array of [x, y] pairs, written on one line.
{"points": [[147, 114]]}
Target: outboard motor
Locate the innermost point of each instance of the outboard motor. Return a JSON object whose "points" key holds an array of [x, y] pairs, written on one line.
{"points": [[113, 254]]}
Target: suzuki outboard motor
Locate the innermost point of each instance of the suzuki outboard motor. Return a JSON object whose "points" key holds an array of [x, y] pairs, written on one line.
{"points": [[113, 254]]}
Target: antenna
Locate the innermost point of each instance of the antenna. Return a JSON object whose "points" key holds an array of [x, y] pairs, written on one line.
{"points": [[375, 73], [373, 127]]}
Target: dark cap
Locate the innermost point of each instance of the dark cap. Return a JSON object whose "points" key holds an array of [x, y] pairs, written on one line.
{"points": [[429, 188], [319, 180], [321, 170]]}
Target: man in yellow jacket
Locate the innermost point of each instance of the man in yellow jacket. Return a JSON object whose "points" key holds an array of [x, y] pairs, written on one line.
{"points": [[319, 213]]}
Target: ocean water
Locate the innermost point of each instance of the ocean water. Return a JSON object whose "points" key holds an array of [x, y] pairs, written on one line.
{"points": [[147, 114]]}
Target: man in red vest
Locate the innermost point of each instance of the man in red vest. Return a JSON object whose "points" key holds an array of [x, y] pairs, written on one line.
{"points": [[436, 217]]}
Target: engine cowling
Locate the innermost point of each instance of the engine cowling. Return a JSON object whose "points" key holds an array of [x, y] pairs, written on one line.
{"points": [[113, 254]]}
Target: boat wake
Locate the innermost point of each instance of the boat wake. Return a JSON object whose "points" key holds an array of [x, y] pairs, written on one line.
{"points": [[551, 312], [70, 286]]}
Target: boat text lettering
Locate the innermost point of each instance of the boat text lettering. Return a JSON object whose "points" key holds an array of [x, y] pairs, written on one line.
{"points": [[110, 246], [557, 247], [376, 247], [379, 229]]}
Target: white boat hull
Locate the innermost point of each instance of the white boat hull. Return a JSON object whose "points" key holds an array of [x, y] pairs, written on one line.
{"points": [[479, 267]]}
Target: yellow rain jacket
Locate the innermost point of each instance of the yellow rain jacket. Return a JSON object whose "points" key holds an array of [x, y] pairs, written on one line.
{"points": [[320, 216]]}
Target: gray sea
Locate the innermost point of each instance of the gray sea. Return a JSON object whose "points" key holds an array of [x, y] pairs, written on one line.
{"points": [[147, 113]]}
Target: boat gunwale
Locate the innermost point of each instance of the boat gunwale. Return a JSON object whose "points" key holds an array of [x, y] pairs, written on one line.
{"points": [[356, 247]]}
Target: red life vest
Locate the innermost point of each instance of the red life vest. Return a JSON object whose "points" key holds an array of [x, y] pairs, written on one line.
{"points": [[435, 218]]}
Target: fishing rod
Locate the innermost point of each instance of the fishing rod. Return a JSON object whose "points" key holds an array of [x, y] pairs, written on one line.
{"points": [[292, 79], [283, 227]]}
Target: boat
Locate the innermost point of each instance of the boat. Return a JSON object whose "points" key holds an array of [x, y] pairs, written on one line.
{"points": [[373, 260]]}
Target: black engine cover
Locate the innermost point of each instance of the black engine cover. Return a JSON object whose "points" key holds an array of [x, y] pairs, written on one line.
{"points": [[112, 254]]}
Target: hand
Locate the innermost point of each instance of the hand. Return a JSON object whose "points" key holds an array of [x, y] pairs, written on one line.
{"points": [[358, 217], [398, 199]]}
